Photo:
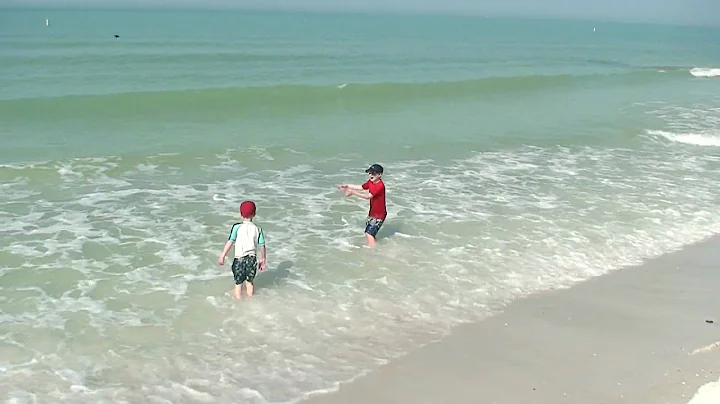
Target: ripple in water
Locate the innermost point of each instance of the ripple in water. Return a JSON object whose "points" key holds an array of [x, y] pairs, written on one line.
{"points": [[111, 289]]}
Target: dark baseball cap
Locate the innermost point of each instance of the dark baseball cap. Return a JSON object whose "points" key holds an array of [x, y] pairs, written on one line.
{"points": [[374, 169]]}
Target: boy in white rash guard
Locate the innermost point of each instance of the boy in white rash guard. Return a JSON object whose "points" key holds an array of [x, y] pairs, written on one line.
{"points": [[247, 237]]}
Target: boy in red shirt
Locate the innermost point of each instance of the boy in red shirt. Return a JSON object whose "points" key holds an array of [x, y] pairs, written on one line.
{"points": [[376, 195]]}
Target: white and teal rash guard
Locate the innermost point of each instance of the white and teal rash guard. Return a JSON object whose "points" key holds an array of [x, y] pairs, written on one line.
{"points": [[247, 238]]}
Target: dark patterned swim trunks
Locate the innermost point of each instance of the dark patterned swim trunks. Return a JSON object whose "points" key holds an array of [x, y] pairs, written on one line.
{"points": [[373, 225], [244, 269]]}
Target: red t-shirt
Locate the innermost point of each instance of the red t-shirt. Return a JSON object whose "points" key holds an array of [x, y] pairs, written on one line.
{"points": [[377, 202]]}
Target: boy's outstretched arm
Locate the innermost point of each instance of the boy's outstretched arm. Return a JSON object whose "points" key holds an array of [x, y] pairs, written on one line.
{"points": [[350, 186], [361, 193], [223, 254]]}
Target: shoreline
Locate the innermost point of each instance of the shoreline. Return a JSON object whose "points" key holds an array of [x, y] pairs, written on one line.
{"points": [[640, 334]]}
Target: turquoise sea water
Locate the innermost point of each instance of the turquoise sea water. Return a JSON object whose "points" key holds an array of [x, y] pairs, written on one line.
{"points": [[520, 155]]}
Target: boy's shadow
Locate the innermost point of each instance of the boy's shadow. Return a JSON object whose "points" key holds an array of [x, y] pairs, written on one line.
{"points": [[388, 231], [274, 276]]}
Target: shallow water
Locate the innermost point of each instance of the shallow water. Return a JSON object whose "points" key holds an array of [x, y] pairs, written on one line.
{"points": [[508, 172]]}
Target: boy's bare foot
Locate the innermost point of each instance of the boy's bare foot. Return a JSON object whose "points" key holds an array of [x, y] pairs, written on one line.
{"points": [[231, 295]]}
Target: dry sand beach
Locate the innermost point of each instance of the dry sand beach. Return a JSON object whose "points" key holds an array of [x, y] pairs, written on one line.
{"points": [[646, 334]]}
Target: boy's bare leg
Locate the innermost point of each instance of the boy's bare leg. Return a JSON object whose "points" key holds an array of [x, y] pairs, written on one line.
{"points": [[370, 239], [237, 292], [249, 288]]}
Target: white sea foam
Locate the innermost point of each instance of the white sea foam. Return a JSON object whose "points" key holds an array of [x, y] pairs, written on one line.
{"points": [[696, 139], [114, 292], [705, 72], [707, 394], [697, 125]]}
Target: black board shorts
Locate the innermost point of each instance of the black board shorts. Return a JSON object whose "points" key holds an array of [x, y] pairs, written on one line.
{"points": [[244, 269]]}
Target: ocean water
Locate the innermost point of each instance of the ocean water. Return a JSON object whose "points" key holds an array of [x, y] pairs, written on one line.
{"points": [[520, 156]]}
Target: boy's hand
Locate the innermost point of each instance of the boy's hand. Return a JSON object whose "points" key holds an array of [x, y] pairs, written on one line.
{"points": [[221, 261], [261, 264], [343, 187]]}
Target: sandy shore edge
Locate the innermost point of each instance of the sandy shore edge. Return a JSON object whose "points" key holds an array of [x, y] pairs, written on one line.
{"points": [[638, 335]]}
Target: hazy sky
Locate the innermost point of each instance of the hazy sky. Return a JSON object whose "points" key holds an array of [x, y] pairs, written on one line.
{"points": [[673, 11]]}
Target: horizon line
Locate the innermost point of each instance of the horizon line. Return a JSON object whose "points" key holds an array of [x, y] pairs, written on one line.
{"points": [[472, 14]]}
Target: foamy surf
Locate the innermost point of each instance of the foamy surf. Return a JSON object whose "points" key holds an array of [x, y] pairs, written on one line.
{"points": [[707, 394], [705, 72], [105, 235], [688, 138], [504, 179]]}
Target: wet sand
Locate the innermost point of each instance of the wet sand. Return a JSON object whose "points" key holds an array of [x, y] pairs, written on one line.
{"points": [[637, 335]]}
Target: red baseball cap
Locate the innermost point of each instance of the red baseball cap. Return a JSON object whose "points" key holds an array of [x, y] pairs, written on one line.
{"points": [[247, 208]]}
